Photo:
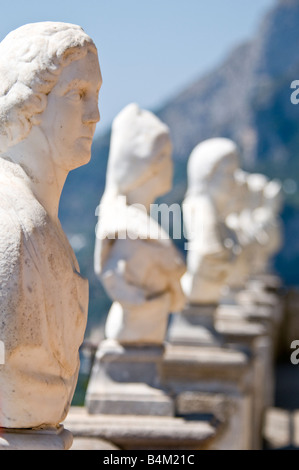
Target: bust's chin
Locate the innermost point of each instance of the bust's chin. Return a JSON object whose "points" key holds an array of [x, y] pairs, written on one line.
{"points": [[81, 156], [84, 159]]}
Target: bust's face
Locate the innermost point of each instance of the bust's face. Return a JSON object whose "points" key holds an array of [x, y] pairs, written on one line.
{"points": [[223, 187], [70, 118], [158, 181]]}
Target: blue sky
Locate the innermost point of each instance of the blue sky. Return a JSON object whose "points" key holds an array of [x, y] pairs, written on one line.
{"points": [[149, 50]]}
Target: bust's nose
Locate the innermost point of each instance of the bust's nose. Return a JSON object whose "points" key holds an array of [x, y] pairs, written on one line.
{"points": [[91, 112]]}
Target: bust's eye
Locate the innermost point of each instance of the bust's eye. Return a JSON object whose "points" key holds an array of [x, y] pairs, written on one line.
{"points": [[75, 95]]}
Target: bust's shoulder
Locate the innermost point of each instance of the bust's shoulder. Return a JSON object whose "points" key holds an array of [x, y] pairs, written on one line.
{"points": [[11, 233], [21, 219], [18, 206], [11, 247], [8, 216], [20, 240]]}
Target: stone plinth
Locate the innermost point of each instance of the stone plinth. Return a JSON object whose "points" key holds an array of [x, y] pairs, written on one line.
{"points": [[187, 368], [194, 326], [277, 428], [256, 304], [39, 439], [291, 320], [256, 336], [269, 281], [232, 411], [262, 305], [266, 293], [257, 297], [256, 319], [126, 380], [217, 343], [206, 373], [281, 429], [92, 443], [142, 432]]}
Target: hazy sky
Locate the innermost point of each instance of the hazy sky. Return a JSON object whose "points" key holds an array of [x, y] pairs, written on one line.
{"points": [[149, 49]]}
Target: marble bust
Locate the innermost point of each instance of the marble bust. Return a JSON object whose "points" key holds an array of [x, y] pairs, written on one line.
{"points": [[273, 204], [266, 207], [49, 84], [212, 245], [135, 259], [257, 225], [239, 220]]}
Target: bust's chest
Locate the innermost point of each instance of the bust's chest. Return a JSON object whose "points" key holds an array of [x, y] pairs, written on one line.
{"points": [[56, 262]]}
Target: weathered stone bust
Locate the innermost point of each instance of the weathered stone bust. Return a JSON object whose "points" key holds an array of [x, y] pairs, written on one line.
{"points": [[273, 204], [134, 258], [258, 228], [49, 84], [239, 221], [211, 244], [266, 207]]}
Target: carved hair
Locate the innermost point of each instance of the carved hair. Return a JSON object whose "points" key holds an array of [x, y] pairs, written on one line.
{"points": [[31, 60]]}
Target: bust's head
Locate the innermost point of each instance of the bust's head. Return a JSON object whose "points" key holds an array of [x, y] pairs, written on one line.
{"points": [[257, 182], [50, 78], [242, 191], [140, 155], [211, 168], [273, 197]]}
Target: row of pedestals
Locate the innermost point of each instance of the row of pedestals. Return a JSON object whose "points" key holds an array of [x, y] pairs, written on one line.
{"points": [[213, 376]]}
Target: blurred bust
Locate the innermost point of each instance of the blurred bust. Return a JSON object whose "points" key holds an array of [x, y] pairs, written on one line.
{"points": [[237, 221], [49, 84], [212, 246], [266, 219], [134, 258]]}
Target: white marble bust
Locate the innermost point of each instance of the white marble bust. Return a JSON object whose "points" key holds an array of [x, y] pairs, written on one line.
{"points": [[210, 197], [268, 226], [134, 258], [49, 84], [240, 221]]}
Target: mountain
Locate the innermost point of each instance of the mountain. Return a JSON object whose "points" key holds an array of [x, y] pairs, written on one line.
{"points": [[247, 99]]}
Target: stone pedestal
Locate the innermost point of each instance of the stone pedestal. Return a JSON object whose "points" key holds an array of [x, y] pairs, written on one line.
{"points": [[256, 319], [265, 301], [36, 439], [266, 291], [200, 375], [291, 320], [126, 380], [194, 326], [268, 280], [143, 432], [254, 331], [227, 337]]}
